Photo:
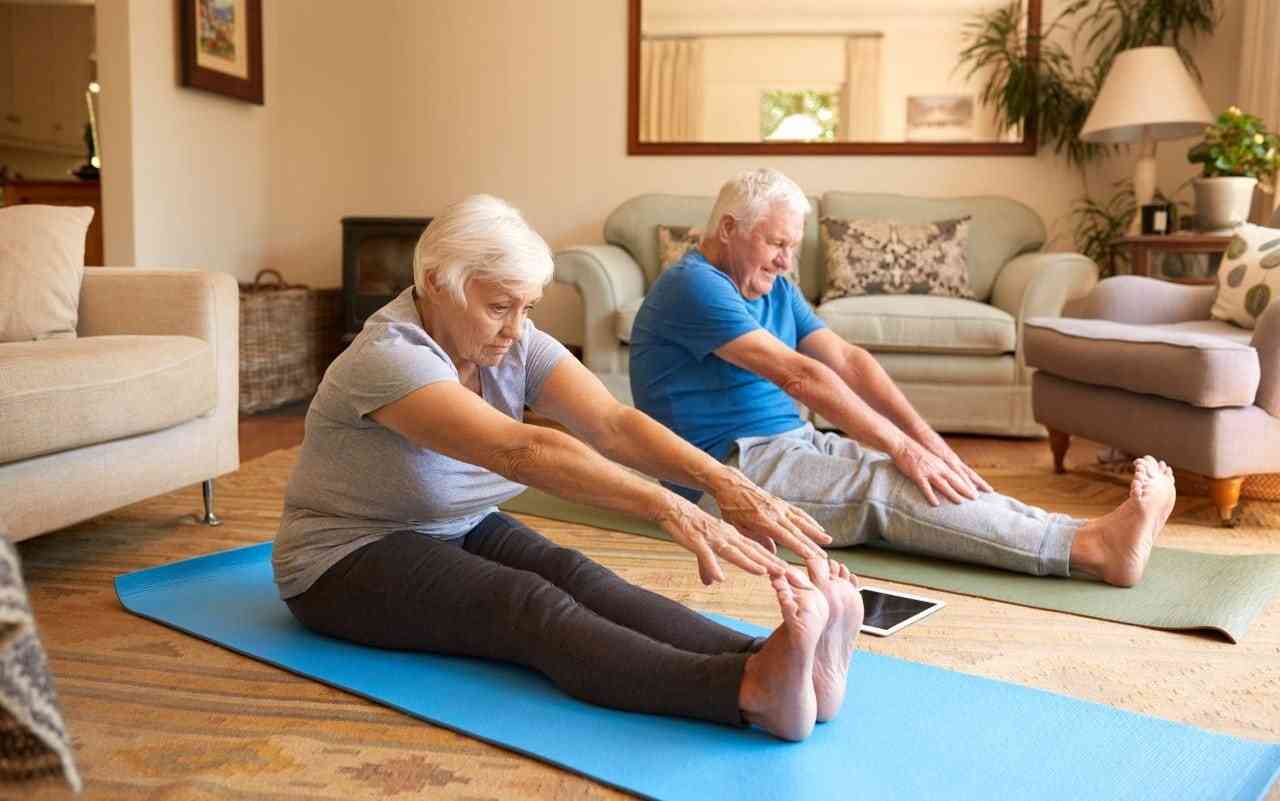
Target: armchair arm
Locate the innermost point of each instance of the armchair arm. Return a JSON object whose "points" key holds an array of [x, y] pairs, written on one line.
{"points": [[193, 303], [1040, 285], [608, 279], [1147, 301], [1266, 338]]}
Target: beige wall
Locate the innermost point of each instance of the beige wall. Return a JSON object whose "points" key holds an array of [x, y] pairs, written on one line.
{"points": [[408, 105]]}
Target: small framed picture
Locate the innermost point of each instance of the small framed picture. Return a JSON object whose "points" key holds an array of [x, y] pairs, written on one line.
{"points": [[221, 47]]}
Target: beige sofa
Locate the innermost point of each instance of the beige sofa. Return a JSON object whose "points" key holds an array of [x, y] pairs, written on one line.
{"points": [[960, 362], [142, 401]]}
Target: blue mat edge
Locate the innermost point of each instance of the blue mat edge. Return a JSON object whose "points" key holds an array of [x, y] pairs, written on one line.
{"points": [[163, 575]]}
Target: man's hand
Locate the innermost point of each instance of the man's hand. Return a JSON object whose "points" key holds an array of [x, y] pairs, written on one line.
{"points": [[708, 538], [767, 519], [939, 447], [933, 474]]}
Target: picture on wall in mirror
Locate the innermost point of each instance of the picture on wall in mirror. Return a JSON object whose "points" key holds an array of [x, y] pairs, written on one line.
{"points": [[221, 47], [940, 118]]}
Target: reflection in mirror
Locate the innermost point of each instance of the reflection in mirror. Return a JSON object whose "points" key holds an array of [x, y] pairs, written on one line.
{"points": [[822, 72]]}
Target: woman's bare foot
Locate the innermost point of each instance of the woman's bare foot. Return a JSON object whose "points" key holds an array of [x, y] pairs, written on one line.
{"points": [[777, 688], [1116, 546], [835, 648]]}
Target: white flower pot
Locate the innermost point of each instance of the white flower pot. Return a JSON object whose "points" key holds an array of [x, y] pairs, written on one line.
{"points": [[1224, 202]]}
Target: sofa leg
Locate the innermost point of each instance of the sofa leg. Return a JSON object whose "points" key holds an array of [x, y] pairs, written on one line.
{"points": [[1058, 443], [209, 519], [1226, 495]]}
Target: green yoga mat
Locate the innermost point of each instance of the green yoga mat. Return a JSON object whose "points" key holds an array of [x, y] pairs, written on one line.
{"points": [[1180, 590]]}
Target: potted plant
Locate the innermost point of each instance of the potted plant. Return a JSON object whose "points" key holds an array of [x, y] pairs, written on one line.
{"points": [[1238, 153]]}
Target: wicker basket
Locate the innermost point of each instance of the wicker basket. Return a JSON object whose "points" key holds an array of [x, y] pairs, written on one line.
{"points": [[288, 335]]}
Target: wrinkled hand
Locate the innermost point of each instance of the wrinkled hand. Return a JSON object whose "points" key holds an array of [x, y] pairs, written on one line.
{"points": [[933, 474], [767, 519], [939, 447], [708, 538]]}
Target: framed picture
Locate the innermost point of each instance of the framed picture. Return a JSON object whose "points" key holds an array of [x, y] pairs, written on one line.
{"points": [[940, 118], [221, 46]]}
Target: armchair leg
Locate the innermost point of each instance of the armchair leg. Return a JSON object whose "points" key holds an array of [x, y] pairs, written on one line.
{"points": [[1058, 443], [209, 519], [1226, 495]]}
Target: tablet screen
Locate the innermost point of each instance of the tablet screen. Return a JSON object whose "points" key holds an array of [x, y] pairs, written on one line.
{"points": [[885, 611]]}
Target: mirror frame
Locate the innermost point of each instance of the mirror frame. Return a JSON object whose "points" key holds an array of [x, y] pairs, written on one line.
{"points": [[1027, 147]]}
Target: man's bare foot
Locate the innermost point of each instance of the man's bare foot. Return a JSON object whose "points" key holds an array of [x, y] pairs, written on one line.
{"points": [[777, 688], [1116, 546], [835, 648]]}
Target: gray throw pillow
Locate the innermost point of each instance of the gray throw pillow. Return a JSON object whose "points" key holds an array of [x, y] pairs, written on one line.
{"points": [[883, 257]]}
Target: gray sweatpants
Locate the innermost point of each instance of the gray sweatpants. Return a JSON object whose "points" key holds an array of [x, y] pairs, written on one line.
{"points": [[859, 496]]}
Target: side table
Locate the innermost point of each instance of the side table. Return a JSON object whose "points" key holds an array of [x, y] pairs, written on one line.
{"points": [[1141, 247]]}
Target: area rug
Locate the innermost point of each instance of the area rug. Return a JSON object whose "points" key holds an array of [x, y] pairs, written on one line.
{"points": [[34, 744], [907, 730], [1182, 589]]}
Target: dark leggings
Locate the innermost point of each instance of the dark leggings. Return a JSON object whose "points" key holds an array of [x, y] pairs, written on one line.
{"points": [[510, 594]]}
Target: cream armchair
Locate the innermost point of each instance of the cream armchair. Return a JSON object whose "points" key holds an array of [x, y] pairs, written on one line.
{"points": [[960, 362], [142, 401]]}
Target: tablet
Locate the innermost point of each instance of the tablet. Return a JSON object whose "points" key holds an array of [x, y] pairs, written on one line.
{"points": [[887, 611]]}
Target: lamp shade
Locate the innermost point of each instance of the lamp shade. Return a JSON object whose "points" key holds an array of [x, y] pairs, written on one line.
{"points": [[1147, 88]]}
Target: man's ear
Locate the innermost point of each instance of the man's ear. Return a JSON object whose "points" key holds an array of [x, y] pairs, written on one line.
{"points": [[726, 227]]}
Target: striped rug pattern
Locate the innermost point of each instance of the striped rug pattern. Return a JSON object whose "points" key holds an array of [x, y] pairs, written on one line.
{"points": [[158, 715]]}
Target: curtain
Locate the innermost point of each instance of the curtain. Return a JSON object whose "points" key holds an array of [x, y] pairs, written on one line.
{"points": [[670, 90], [860, 106], [1258, 92]]}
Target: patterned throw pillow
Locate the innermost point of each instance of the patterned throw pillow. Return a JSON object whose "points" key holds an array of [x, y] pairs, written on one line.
{"points": [[673, 242], [676, 240], [1248, 278], [883, 257]]}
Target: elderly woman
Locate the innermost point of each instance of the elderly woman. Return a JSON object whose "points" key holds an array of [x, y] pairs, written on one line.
{"points": [[391, 537]]}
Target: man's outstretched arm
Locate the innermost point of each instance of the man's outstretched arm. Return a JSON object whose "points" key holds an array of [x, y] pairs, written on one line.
{"points": [[820, 388], [863, 374]]}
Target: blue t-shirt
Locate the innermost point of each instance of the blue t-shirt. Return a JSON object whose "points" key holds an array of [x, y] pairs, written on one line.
{"points": [[676, 378]]}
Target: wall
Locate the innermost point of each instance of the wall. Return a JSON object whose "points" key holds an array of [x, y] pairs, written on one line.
{"points": [[406, 106]]}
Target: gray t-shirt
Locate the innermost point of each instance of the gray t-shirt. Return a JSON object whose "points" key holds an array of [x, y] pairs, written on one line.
{"points": [[357, 481]]}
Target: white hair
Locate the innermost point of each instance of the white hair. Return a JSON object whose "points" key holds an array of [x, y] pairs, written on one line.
{"points": [[749, 195], [480, 236]]}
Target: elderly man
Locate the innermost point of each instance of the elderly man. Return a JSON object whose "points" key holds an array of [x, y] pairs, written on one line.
{"points": [[720, 349]]}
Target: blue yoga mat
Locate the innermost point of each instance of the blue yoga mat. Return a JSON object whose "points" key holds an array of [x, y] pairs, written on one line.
{"points": [[907, 731]]}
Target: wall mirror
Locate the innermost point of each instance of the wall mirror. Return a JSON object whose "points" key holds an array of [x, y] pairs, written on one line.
{"points": [[811, 77]]}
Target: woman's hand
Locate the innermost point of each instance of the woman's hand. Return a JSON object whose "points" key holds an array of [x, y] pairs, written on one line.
{"points": [[767, 519], [932, 474], [709, 538]]}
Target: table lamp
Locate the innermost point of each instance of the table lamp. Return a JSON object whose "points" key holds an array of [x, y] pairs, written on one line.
{"points": [[1147, 95]]}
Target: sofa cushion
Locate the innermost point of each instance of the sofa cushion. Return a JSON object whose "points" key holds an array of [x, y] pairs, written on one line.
{"points": [[59, 394], [1249, 276], [921, 324], [1188, 362], [41, 266], [1000, 229], [885, 257]]}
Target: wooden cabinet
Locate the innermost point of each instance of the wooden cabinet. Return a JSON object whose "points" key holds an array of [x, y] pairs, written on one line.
{"points": [[45, 69], [64, 193]]}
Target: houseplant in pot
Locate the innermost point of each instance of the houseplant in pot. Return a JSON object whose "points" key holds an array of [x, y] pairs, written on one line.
{"points": [[1237, 153]]}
